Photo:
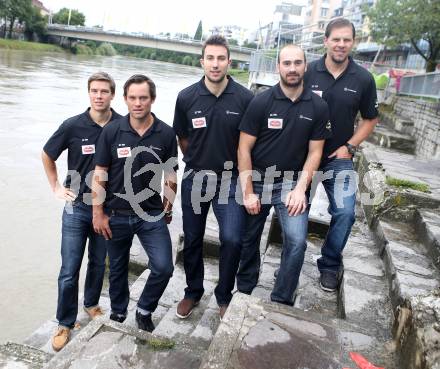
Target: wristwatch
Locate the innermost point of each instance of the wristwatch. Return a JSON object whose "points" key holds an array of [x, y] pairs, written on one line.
{"points": [[351, 149], [169, 213]]}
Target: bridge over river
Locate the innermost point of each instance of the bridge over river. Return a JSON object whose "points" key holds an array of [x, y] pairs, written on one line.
{"points": [[189, 46]]}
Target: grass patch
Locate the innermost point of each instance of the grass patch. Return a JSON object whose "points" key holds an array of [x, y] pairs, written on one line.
{"points": [[403, 183], [160, 343], [241, 75], [384, 108], [31, 46]]}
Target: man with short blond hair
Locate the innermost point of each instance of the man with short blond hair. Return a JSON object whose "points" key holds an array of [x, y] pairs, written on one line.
{"points": [[78, 135]]}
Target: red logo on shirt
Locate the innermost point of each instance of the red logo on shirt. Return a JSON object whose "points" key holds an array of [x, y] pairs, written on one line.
{"points": [[124, 152], [199, 122], [275, 123], [88, 149]]}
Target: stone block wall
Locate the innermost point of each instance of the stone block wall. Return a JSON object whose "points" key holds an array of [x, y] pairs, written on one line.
{"points": [[426, 118]]}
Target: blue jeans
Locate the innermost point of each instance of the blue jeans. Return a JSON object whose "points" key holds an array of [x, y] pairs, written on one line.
{"points": [[294, 232], [230, 217], [341, 192], [156, 241], [76, 228]]}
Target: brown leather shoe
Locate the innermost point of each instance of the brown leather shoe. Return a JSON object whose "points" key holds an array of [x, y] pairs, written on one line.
{"points": [[60, 338], [94, 312], [223, 309], [185, 308]]}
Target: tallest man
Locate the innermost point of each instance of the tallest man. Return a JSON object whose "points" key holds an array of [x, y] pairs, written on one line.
{"points": [[348, 89]]}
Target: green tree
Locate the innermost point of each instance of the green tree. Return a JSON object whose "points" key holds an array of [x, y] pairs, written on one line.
{"points": [[394, 22], [36, 24], [199, 32], [250, 45], [15, 11], [76, 18], [232, 42]]}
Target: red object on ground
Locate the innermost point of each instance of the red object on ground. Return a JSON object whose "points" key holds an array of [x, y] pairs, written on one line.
{"points": [[361, 362]]}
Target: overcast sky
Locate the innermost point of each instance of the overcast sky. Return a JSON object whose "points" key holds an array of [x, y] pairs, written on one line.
{"points": [[169, 16]]}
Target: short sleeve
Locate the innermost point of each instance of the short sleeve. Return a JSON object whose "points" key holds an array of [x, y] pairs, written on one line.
{"points": [[322, 126], [103, 153], [180, 122], [253, 117], [369, 105], [57, 143], [171, 155]]}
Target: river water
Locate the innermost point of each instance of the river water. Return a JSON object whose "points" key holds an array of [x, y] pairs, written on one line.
{"points": [[37, 92]]}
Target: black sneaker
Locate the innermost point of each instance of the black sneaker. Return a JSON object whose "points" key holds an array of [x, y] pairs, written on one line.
{"points": [[329, 280], [117, 317], [144, 322]]}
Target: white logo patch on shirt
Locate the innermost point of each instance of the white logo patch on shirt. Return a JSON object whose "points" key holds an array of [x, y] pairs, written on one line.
{"points": [[88, 149], [318, 92], [231, 112], [124, 152], [304, 117], [349, 90], [328, 126], [199, 122], [274, 123]]}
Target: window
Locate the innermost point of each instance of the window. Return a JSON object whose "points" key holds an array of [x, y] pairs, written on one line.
{"points": [[321, 25], [324, 12]]}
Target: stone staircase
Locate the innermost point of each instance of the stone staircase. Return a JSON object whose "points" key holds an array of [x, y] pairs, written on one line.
{"points": [[387, 307]]}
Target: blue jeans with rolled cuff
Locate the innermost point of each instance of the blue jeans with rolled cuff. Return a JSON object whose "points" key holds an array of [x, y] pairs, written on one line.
{"points": [[76, 229]]}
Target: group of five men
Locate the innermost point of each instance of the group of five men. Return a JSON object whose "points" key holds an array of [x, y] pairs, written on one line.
{"points": [[242, 154]]}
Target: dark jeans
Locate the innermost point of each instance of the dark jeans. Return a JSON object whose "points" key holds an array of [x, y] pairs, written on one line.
{"points": [[294, 232], [76, 228], [341, 192], [156, 241], [230, 217]]}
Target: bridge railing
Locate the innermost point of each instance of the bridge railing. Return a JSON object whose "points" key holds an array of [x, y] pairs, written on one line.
{"points": [[422, 85], [83, 29]]}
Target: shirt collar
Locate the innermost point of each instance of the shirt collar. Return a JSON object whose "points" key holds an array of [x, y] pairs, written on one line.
{"points": [[321, 67], [203, 90], [125, 125], [88, 119], [279, 94]]}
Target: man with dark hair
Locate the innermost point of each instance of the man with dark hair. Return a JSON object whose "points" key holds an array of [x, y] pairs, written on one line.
{"points": [[79, 135], [133, 153], [348, 89], [281, 141], [206, 120]]}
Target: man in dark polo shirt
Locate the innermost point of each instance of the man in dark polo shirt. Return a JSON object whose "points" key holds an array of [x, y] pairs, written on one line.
{"points": [[281, 141], [206, 120], [348, 89], [79, 136], [133, 153]]}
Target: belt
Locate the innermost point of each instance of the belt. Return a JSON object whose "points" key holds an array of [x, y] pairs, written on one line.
{"points": [[122, 212]]}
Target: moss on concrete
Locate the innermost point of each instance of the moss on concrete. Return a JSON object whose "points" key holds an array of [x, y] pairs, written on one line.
{"points": [[160, 343], [403, 183]]}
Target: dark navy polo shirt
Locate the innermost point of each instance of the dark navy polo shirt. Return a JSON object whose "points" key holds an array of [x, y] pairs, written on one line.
{"points": [[284, 128], [354, 90], [210, 124], [157, 152], [79, 135]]}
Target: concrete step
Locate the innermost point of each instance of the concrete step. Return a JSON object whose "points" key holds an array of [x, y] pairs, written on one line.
{"points": [[391, 139], [42, 337], [427, 225], [14, 355], [409, 268], [257, 334], [397, 122], [363, 296]]}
